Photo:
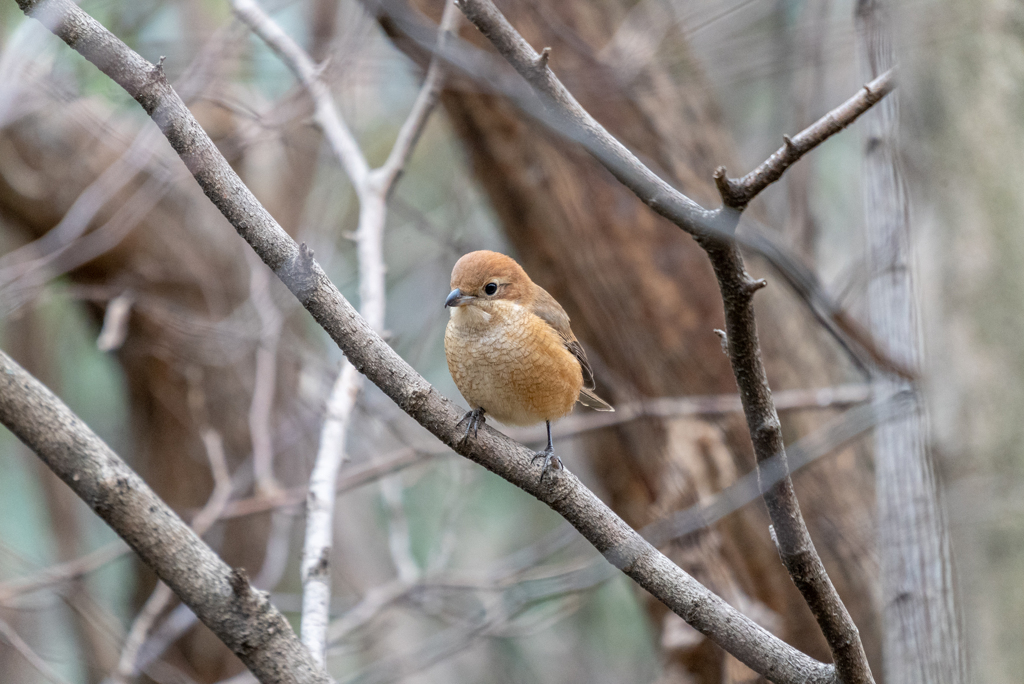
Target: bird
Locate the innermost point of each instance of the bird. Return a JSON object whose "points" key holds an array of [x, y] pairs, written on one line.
{"points": [[511, 351]]}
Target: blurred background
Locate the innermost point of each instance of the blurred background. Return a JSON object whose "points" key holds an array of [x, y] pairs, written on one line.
{"points": [[124, 290]]}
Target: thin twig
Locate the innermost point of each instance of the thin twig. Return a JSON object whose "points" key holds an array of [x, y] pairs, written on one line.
{"points": [[738, 192], [371, 605], [372, 188], [399, 540], [664, 407], [701, 405], [413, 126], [265, 378], [11, 636], [327, 117], [65, 572], [347, 479]]}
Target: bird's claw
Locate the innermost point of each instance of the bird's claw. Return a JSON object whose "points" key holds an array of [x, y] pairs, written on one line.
{"points": [[474, 420], [549, 457]]}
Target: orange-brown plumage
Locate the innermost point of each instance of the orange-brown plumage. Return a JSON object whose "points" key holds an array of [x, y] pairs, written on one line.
{"points": [[509, 346]]}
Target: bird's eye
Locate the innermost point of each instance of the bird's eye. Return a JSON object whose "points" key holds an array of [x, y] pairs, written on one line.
{"points": [[490, 288]]}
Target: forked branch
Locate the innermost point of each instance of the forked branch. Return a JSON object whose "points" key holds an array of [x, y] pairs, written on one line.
{"points": [[738, 192]]}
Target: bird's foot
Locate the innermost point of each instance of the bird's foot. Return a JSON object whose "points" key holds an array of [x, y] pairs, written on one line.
{"points": [[474, 419], [549, 457]]}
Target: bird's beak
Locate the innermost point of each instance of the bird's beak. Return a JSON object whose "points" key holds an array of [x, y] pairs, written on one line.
{"points": [[456, 298]]}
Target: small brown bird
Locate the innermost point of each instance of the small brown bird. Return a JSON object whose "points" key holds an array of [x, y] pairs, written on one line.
{"points": [[510, 349]]}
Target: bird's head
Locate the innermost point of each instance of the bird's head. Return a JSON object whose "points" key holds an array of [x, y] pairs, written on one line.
{"points": [[483, 277]]}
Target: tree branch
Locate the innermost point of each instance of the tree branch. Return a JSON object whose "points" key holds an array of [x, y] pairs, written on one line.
{"points": [[334, 127], [738, 192], [921, 630], [11, 636], [241, 617]]}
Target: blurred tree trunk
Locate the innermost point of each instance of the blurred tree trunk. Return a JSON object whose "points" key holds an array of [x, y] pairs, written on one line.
{"points": [[644, 301], [922, 641]]}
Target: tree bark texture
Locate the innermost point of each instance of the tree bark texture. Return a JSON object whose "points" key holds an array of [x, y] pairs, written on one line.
{"points": [[643, 298]]}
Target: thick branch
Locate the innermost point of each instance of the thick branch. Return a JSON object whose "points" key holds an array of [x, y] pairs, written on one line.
{"points": [[790, 532], [241, 617], [922, 639], [296, 267], [738, 192]]}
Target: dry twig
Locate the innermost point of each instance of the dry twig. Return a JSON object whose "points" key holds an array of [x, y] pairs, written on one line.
{"points": [[738, 192]]}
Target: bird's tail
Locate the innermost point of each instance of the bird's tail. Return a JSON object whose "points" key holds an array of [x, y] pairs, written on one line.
{"points": [[588, 398]]}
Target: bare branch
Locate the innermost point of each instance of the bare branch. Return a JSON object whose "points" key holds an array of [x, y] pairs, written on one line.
{"points": [[738, 192], [65, 572], [316, 551], [665, 407], [347, 479], [331, 123], [399, 541], [706, 405], [376, 600], [372, 188], [158, 600], [265, 379], [409, 134], [922, 640], [221, 597], [161, 597]]}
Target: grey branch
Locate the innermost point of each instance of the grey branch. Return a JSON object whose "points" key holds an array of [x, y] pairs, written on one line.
{"points": [[241, 617], [296, 267], [738, 192]]}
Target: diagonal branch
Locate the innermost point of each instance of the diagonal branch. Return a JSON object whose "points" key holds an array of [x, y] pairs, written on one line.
{"points": [[338, 134], [11, 636], [242, 618], [369, 354], [738, 192]]}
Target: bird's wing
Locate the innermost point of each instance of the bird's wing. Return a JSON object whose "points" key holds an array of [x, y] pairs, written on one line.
{"points": [[547, 309]]}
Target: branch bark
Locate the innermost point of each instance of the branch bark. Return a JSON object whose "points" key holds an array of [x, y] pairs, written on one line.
{"points": [[244, 619]]}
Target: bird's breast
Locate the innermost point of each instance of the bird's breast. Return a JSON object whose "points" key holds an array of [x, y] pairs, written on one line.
{"points": [[511, 363]]}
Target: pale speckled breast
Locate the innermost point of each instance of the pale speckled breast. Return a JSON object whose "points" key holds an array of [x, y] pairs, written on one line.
{"points": [[511, 363]]}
